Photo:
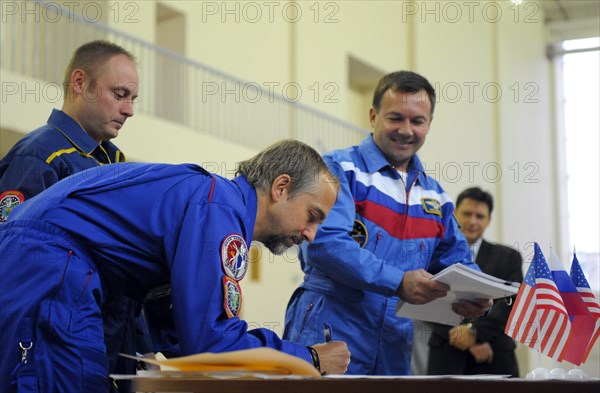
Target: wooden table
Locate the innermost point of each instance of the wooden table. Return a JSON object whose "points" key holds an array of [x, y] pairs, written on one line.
{"points": [[365, 385]]}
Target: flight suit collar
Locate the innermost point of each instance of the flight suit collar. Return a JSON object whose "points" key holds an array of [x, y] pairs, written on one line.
{"points": [[72, 131], [250, 201], [375, 161]]}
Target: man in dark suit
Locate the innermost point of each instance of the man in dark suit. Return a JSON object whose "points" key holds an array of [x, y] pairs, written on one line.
{"points": [[479, 346]]}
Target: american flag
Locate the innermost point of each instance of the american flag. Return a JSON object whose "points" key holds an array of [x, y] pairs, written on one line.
{"points": [[539, 318], [588, 298]]}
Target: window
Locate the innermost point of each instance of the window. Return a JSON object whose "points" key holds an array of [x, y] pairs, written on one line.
{"points": [[581, 86]]}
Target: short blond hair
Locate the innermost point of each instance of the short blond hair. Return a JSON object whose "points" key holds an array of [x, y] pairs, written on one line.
{"points": [[91, 56]]}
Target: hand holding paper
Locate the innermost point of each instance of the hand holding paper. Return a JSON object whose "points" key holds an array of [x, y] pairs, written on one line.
{"points": [[469, 289], [472, 308], [417, 287]]}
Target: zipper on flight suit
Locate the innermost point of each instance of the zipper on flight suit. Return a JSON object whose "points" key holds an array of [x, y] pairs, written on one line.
{"points": [[377, 242], [407, 192], [310, 306], [89, 277], [62, 279]]}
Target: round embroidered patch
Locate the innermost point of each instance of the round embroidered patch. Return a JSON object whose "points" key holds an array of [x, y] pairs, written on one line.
{"points": [[234, 256], [359, 233], [8, 200], [233, 297]]}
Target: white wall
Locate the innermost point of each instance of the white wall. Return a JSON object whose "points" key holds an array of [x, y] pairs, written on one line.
{"points": [[143, 138]]}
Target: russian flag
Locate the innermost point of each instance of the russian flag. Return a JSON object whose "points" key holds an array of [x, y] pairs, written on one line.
{"points": [[582, 322], [588, 297]]}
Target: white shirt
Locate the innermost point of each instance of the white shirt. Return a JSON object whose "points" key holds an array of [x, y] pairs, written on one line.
{"points": [[474, 247]]}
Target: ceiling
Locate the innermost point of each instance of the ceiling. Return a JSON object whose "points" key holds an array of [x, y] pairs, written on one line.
{"points": [[570, 10]]}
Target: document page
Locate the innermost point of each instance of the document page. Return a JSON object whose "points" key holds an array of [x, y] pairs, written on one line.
{"points": [[465, 283], [256, 360]]}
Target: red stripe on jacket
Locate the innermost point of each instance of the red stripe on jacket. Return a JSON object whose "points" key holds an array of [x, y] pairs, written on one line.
{"points": [[400, 226]]}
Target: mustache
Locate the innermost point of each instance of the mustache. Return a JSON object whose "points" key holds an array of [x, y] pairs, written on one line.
{"points": [[401, 139], [279, 244], [297, 239]]}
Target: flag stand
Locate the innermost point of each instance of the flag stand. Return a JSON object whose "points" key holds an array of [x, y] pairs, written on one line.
{"points": [[539, 372]]}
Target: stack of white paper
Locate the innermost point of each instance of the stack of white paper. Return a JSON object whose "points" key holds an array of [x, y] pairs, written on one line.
{"points": [[465, 283]]}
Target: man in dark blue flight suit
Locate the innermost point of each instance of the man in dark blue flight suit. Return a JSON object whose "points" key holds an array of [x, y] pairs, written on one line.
{"points": [[125, 229], [101, 82]]}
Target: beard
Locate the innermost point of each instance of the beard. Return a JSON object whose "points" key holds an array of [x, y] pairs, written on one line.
{"points": [[278, 244]]}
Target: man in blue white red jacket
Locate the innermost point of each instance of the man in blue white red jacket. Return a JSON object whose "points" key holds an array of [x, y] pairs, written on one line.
{"points": [[391, 227], [125, 229]]}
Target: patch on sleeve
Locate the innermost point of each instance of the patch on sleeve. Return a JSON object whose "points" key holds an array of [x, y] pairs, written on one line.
{"points": [[432, 206], [359, 233], [8, 200], [234, 256], [233, 297]]}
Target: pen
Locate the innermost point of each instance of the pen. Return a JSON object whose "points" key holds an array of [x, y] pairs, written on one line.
{"points": [[327, 330]]}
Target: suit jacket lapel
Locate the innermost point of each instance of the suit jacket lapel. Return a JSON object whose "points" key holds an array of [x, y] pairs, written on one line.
{"points": [[484, 256]]}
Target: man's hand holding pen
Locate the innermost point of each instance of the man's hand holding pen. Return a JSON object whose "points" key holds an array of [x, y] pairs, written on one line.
{"points": [[333, 356]]}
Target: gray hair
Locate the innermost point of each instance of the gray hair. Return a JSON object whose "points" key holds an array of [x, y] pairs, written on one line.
{"points": [[294, 158]]}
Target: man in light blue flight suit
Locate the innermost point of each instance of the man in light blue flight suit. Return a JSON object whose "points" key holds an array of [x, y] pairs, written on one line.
{"points": [[391, 227], [128, 228]]}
